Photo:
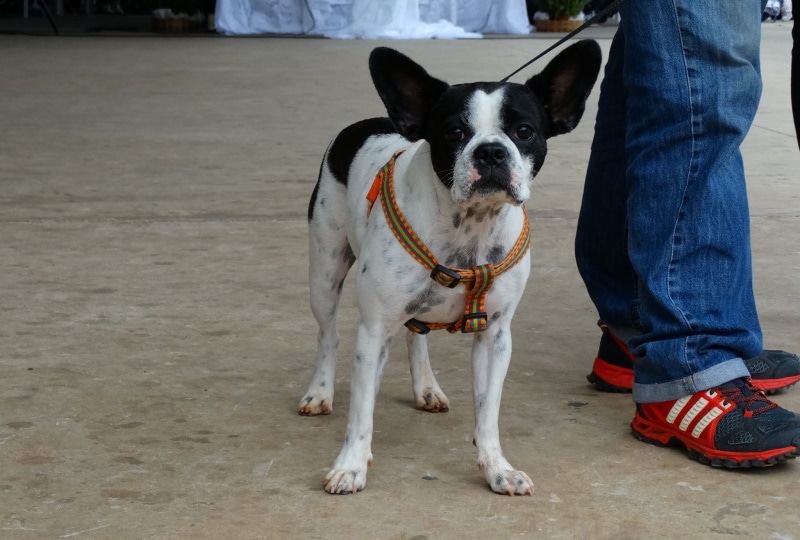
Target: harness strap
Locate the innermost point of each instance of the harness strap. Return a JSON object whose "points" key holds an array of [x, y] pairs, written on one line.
{"points": [[477, 280]]}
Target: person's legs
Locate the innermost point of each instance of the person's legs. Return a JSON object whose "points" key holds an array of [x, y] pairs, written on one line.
{"points": [[686, 282], [688, 218], [663, 238], [601, 248]]}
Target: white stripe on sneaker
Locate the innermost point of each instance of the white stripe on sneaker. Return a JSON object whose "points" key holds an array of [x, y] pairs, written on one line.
{"points": [[703, 423], [677, 408], [696, 409], [701, 404]]}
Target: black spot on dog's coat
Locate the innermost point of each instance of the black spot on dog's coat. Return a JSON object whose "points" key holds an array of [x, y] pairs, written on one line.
{"points": [[464, 256], [416, 303], [495, 254]]}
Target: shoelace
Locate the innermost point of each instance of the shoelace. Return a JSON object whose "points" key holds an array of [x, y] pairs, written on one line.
{"points": [[743, 393]]}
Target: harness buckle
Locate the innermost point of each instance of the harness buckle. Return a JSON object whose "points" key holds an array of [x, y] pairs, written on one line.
{"points": [[444, 276], [418, 327], [474, 322]]}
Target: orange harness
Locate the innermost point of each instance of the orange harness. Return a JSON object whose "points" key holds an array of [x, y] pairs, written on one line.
{"points": [[477, 280]]}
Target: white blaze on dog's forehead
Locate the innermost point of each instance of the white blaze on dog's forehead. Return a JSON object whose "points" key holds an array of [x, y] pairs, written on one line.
{"points": [[484, 111]]}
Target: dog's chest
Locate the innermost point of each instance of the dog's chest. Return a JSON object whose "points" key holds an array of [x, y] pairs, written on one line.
{"points": [[463, 243]]}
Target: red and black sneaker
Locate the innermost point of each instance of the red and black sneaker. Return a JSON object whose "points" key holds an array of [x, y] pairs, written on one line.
{"points": [[734, 425], [612, 370]]}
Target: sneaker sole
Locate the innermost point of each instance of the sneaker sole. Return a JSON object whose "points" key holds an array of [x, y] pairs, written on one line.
{"points": [[770, 386], [658, 435]]}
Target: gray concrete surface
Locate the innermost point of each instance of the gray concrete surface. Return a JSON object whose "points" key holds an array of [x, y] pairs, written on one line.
{"points": [[156, 337]]}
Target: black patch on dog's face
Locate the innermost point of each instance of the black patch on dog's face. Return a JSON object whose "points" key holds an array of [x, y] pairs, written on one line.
{"points": [[454, 122]]}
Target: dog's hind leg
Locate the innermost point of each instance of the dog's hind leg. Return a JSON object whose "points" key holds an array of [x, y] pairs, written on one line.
{"points": [[428, 396], [330, 258]]}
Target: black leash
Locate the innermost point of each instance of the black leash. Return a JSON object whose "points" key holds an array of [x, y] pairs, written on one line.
{"points": [[605, 12], [49, 15]]}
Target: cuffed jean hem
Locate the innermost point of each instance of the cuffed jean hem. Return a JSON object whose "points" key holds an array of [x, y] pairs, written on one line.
{"points": [[704, 380]]}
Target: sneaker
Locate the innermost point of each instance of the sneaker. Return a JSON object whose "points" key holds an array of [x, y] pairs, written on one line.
{"points": [[734, 426], [612, 370]]}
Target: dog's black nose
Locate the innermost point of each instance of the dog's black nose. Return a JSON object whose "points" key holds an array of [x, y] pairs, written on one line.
{"points": [[490, 154]]}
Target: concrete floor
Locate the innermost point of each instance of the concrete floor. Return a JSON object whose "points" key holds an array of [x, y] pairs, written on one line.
{"points": [[156, 335]]}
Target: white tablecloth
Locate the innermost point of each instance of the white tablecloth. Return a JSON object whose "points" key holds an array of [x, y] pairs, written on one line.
{"points": [[373, 19]]}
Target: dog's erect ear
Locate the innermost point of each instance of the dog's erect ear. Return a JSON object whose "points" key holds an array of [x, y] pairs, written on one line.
{"points": [[406, 89], [565, 84]]}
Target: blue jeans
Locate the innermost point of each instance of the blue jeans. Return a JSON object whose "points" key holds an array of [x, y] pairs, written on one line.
{"points": [[663, 239]]}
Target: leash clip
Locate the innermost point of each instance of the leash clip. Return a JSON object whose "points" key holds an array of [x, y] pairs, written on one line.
{"points": [[444, 276]]}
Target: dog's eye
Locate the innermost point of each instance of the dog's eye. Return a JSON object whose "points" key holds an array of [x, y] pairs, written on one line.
{"points": [[524, 132], [454, 134]]}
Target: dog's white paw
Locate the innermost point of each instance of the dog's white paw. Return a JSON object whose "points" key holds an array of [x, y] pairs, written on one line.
{"points": [[432, 400], [315, 404], [508, 481], [344, 482]]}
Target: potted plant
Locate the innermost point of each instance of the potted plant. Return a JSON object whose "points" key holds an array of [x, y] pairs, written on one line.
{"points": [[177, 16], [561, 15]]}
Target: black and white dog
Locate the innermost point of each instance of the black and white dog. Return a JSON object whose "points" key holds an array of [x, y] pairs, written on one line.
{"points": [[471, 152]]}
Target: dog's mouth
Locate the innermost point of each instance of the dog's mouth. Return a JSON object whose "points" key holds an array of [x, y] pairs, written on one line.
{"points": [[493, 182], [491, 174]]}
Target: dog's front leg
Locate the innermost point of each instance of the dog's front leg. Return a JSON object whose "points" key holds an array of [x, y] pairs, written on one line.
{"points": [[427, 394], [349, 473], [491, 353]]}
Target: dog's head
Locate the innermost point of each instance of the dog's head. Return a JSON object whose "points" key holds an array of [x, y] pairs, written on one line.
{"points": [[488, 140]]}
